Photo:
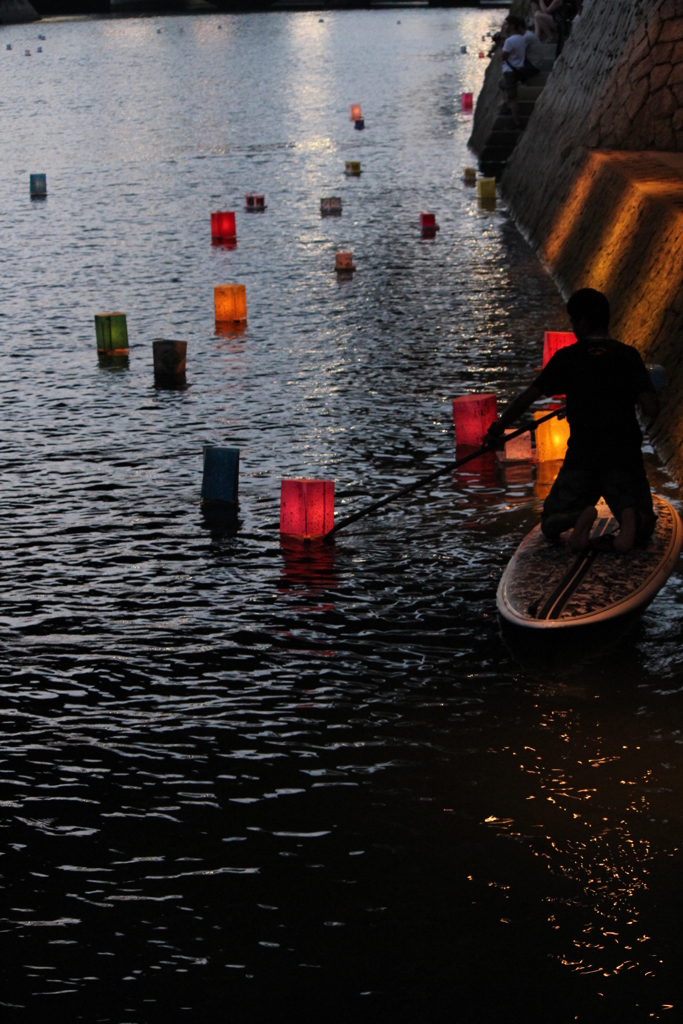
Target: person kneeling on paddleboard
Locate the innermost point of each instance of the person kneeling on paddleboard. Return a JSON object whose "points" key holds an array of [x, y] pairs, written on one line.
{"points": [[603, 381]]}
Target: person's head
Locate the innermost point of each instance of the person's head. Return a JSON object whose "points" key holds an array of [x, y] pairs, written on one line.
{"points": [[589, 312], [515, 26]]}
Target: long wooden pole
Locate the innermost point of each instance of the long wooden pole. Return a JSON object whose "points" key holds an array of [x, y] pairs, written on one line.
{"points": [[424, 480]]}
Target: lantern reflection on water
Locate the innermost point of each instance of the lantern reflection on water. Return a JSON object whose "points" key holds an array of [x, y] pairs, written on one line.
{"points": [[223, 227], [551, 438], [546, 474], [306, 508], [472, 417], [553, 341], [230, 302]]}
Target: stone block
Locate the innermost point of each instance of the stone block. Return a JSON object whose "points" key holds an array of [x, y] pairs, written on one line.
{"points": [[676, 76], [672, 31], [653, 27], [661, 53], [659, 77]]}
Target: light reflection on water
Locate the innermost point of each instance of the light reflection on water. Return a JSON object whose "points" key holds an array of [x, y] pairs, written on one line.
{"points": [[237, 773]]}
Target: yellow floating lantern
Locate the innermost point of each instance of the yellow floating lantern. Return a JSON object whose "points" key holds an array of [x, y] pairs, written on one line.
{"points": [[230, 302], [551, 438], [352, 168], [470, 175], [486, 188]]}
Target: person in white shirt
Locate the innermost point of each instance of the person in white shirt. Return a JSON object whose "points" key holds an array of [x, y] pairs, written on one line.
{"points": [[533, 59], [514, 53]]}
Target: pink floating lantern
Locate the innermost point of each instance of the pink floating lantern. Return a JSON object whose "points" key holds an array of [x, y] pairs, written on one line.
{"points": [[481, 54], [306, 508], [343, 261], [472, 417], [223, 227], [553, 341], [466, 102]]}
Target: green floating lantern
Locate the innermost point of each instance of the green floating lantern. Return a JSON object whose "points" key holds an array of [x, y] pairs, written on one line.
{"points": [[112, 334]]}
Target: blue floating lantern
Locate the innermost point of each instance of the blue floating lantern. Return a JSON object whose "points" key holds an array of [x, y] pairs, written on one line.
{"points": [[221, 474], [9, 46], [38, 186]]}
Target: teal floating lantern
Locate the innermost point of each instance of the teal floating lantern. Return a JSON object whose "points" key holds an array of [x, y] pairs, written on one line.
{"points": [[38, 186], [220, 481]]}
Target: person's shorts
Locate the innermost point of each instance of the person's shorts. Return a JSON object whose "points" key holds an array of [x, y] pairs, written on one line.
{"points": [[510, 80], [577, 489]]}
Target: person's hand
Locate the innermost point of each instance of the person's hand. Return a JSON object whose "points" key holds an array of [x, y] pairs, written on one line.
{"points": [[494, 436]]}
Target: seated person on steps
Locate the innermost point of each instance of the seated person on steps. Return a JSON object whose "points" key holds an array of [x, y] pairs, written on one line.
{"points": [[603, 380]]}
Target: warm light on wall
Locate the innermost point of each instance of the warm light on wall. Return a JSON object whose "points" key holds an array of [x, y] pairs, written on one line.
{"points": [[472, 417], [551, 438], [553, 341], [223, 227], [111, 331], [306, 508], [230, 303]]}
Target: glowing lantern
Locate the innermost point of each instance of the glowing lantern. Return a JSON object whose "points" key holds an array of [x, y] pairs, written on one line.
{"points": [[223, 227], [551, 438], [220, 479], [546, 474], [553, 341], [344, 261], [111, 331], [359, 124], [472, 417], [470, 175], [466, 101], [355, 112], [481, 54], [519, 448], [486, 188], [254, 202], [169, 361], [38, 186], [306, 508], [230, 303], [332, 205], [353, 168]]}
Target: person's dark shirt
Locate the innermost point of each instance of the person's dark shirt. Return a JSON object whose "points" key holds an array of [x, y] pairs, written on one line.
{"points": [[602, 379]]}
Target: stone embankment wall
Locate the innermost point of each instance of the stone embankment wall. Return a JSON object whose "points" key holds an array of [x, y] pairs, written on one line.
{"points": [[14, 12], [596, 182]]}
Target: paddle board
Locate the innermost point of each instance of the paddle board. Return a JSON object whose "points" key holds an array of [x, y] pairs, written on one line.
{"points": [[548, 586]]}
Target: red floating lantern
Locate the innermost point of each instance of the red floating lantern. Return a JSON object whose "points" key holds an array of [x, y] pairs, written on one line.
{"points": [[306, 508], [472, 417], [553, 341], [466, 102], [223, 227], [344, 261], [481, 54]]}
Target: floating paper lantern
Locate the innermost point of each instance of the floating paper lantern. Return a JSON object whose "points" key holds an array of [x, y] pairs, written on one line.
{"points": [[220, 480], [111, 331], [344, 261], [8, 46], [169, 361], [41, 36], [254, 202], [428, 225], [38, 186], [230, 303], [223, 227], [486, 188], [472, 417], [466, 102], [551, 438], [306, 508], [553, 341], [463, 49], [657, 375], [359, 124], [519, 448], [470, 175], [481, 54], [39, 50], [27, 53], [355, 112], [331, 205], [353, 168]]}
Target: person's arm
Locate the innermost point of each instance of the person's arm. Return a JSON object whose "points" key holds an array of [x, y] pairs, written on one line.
{"points": [[649, 403], [516, 408]]}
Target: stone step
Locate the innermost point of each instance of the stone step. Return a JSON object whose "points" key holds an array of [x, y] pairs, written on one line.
{"points": [[529, 92], [540, 79], [549, 50]]}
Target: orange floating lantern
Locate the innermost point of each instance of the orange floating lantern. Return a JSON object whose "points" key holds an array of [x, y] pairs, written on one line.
{"points": [[230, 303], [355, 112], [306, 508], [553, 341], [223, 227], [344, 261], [472, 417], [466, 102], [551, 438]]}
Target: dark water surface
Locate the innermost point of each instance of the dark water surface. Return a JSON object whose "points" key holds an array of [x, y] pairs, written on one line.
{"points": [[240, 782]]}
